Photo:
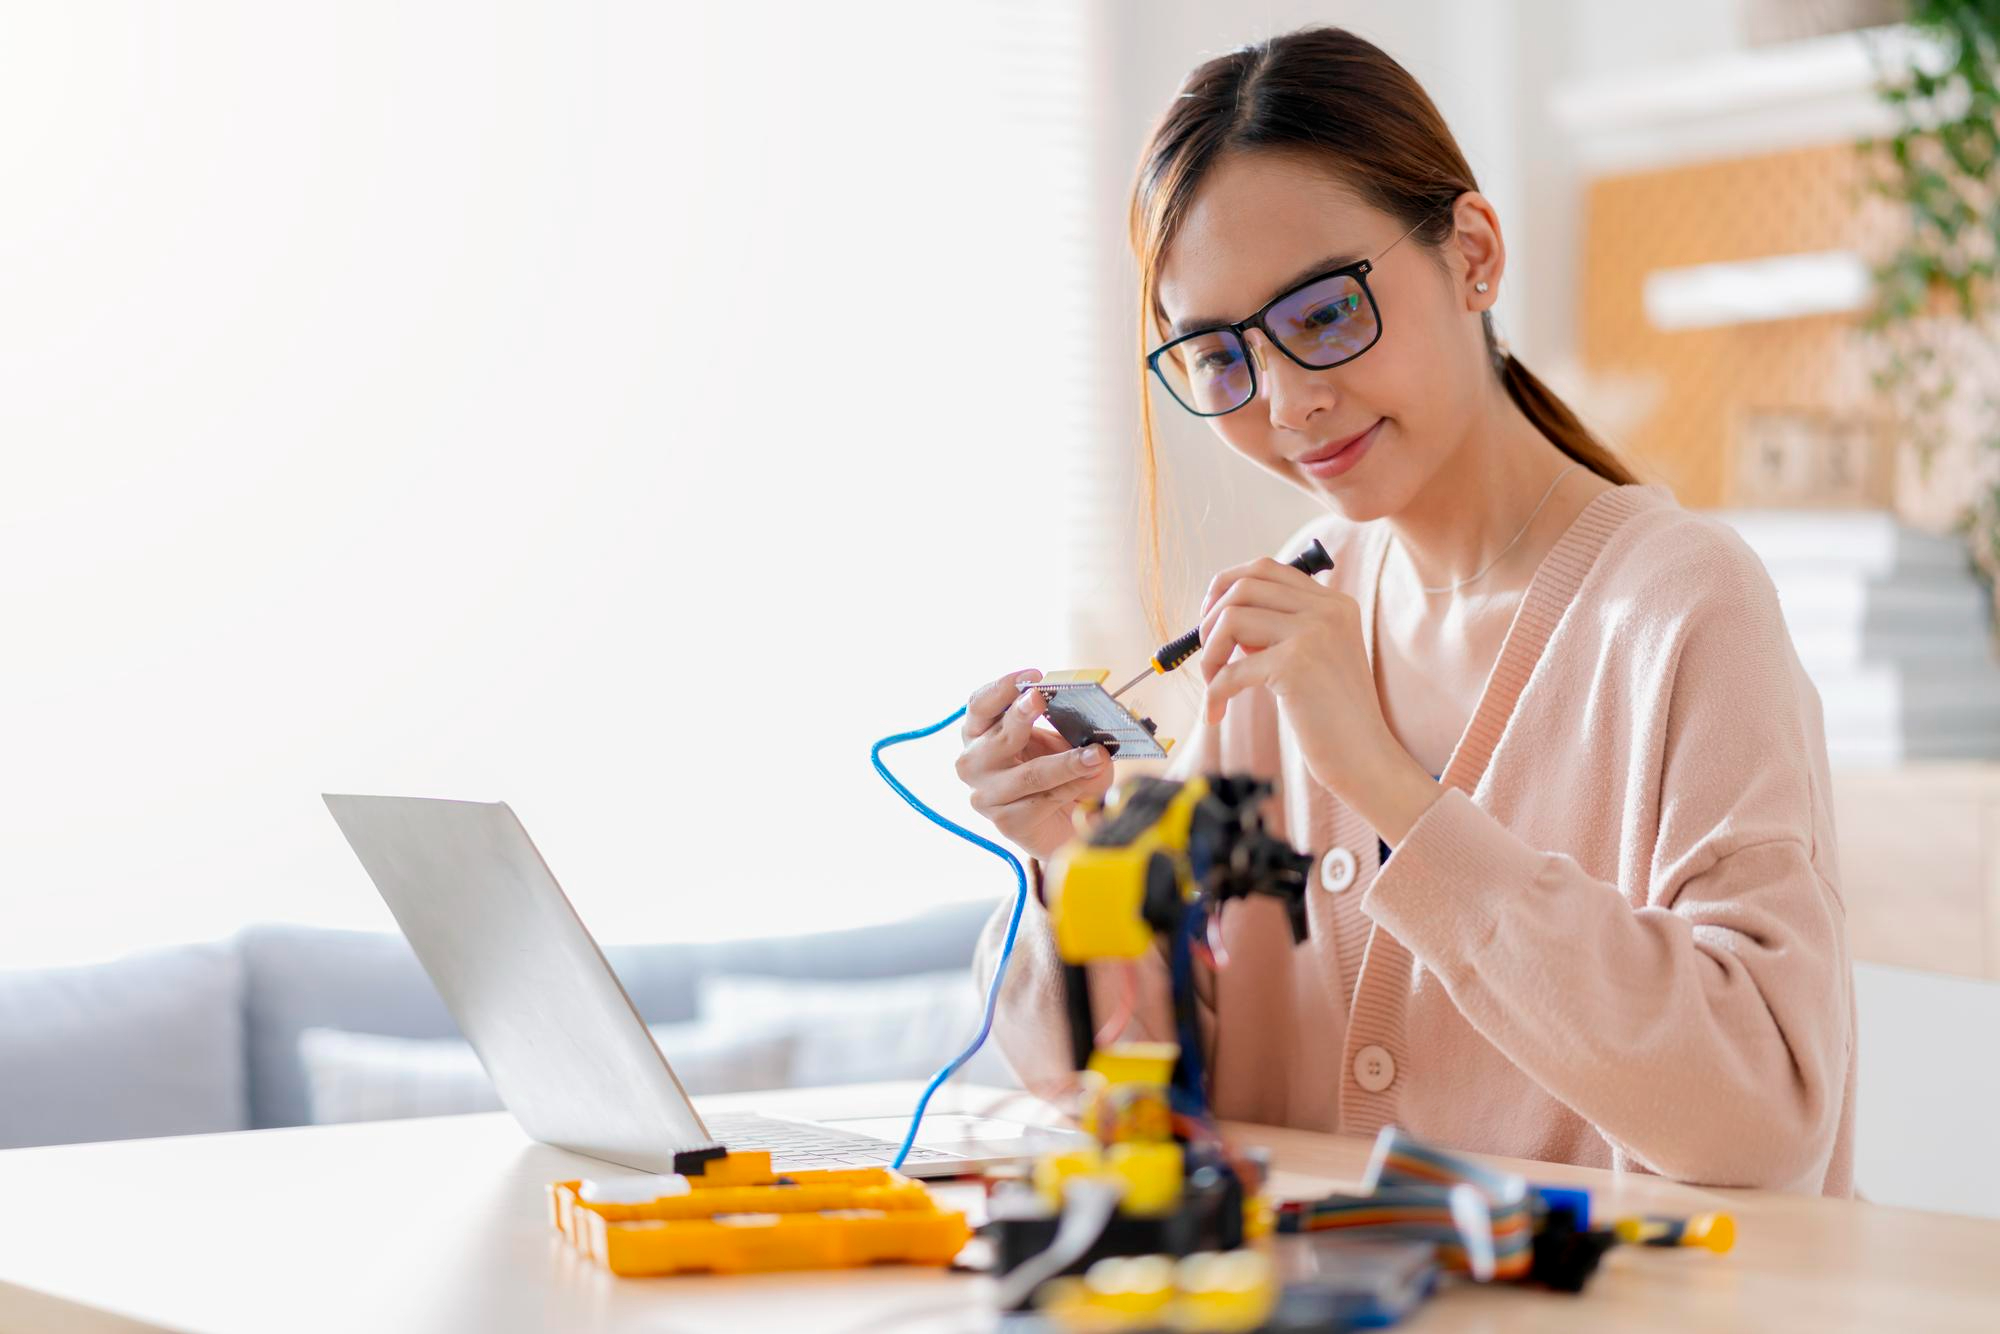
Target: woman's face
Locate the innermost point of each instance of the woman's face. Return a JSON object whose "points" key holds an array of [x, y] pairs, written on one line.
{"points": [[1370, 434]]}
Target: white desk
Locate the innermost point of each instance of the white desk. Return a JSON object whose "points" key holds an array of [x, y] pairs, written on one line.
{"points": [[441, 1225]]}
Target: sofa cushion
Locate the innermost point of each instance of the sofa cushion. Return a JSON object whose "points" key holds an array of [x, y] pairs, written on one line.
{"points": [[855, 1032], [298, 977], [148, 1045], [367, 1077]]}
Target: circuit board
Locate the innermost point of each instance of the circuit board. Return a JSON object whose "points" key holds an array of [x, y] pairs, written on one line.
{"points": [[1083, 711]]}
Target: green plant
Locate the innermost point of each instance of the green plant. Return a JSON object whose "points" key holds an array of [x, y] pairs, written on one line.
{"points": [[1942, 166]]}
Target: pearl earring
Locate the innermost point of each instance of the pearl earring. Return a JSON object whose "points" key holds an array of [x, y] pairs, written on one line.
{"points": [[1480, 286]]}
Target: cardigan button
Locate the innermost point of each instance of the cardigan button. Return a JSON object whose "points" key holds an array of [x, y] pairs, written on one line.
{"points": [[1336, 870], [1374, 1068]]}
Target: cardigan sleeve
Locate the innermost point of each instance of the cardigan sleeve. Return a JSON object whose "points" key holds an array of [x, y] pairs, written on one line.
{"points": [[1030, 1021], [1701, 1018]]}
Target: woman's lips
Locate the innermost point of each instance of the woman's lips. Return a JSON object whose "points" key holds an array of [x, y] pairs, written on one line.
{"points": [[1338, 458]]}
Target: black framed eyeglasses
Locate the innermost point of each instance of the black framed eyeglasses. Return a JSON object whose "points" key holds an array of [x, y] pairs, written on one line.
{"points": [[1326, 321]]}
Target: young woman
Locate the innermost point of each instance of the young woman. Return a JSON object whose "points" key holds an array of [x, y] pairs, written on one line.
{"points": [[1574, 893]]}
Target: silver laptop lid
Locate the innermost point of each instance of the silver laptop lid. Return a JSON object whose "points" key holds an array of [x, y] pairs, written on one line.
{"points": [[530, 989]]}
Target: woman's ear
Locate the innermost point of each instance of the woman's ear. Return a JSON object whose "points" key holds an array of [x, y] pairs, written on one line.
{"points": [[1479, 249]]}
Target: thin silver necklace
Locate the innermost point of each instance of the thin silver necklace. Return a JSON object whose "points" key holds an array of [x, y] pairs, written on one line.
{"points": [[1472, 578]]}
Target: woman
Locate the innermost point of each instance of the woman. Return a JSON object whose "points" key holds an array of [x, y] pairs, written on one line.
{"points": [[1574, 895]]}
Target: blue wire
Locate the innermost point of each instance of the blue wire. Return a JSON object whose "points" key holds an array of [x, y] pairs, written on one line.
{"points": [[1185, 1094], [1006, 946]]}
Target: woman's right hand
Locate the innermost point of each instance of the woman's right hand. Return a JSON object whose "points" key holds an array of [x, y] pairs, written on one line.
{"points": [[1024, 778]]}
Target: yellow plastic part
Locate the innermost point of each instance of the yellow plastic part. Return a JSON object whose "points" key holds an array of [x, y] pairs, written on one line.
{"points": [[1053, 1171], [1087, 676], [1260, 1220], [1230, 1292], [1712, 1232], [746, 1167], [1095, 912], [1115, 1113], [1136, 1062], [1715, 1232], [752, 1243], [738, 1218], [1225, 1292], [1172, 827], [1117, 1292], [1152, 1174]]}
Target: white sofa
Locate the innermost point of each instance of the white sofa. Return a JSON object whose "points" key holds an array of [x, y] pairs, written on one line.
{"points": [[208, 1037]]}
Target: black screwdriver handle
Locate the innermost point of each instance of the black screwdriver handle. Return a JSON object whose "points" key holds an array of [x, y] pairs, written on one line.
{"points": [[1177, 651], [1310, 561]]}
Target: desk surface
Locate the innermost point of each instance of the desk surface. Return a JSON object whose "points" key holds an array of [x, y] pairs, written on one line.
{"points": [[439, 1225]]}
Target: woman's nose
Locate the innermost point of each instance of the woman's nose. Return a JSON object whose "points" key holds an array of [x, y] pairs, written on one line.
{"points": [[1293, 392]]}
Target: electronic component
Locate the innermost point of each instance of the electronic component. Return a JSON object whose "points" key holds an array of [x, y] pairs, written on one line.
{"points": [[1482, 1221], [1082, 710], [1128, 1198], [1491, 1224], [1347, 1284]]}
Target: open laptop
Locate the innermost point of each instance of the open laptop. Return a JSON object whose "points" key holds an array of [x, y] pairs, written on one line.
{"points": [[567, 1052]]}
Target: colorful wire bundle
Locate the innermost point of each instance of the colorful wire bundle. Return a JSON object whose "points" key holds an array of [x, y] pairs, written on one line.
{"points": [[1400, 1159], [1482, 1221]]}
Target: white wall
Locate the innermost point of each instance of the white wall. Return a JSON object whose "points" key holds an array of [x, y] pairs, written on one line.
{"points": [[612, 409], [1925, 1093]]}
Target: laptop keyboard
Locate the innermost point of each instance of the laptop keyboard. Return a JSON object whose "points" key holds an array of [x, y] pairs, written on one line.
{"points": [[795, 1144]]}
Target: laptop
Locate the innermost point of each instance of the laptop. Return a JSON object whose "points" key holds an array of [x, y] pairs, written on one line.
{"points": [[567, 1052]]}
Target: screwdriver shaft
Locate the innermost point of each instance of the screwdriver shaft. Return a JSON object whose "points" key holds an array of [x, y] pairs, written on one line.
{"points": [[1134, 681]]}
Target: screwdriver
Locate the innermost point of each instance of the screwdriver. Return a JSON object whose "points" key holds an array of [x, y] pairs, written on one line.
{"points": [[1310, 561]]}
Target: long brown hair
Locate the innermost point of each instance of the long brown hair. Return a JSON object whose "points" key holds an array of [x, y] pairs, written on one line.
{"points": [[1326, 95]]}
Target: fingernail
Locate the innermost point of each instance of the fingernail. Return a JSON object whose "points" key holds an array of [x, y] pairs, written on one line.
{"points": [[1093, 755], [1026, 678]]}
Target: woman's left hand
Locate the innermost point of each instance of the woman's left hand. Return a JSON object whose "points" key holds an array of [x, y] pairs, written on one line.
{"points": [[1302, 641]]}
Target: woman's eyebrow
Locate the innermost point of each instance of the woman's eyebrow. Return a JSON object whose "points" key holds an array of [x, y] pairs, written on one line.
{"points": [[1313, 270]]}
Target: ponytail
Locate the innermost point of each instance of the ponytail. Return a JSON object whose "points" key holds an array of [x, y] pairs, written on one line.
{"points": [[1551, 416]]}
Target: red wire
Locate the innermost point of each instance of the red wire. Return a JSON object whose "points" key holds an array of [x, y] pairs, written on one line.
{"points": [[1219, 955], [1128, 1002]]}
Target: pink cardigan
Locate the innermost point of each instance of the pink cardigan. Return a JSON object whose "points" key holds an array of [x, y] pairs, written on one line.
{"points": [[1616, 939]]}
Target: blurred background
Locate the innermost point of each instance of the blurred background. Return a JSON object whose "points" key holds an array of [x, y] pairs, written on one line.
{"points": [[633, 411]]}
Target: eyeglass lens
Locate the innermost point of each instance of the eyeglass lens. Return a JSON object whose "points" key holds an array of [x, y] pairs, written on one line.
{"points": [[1322, 324]]}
